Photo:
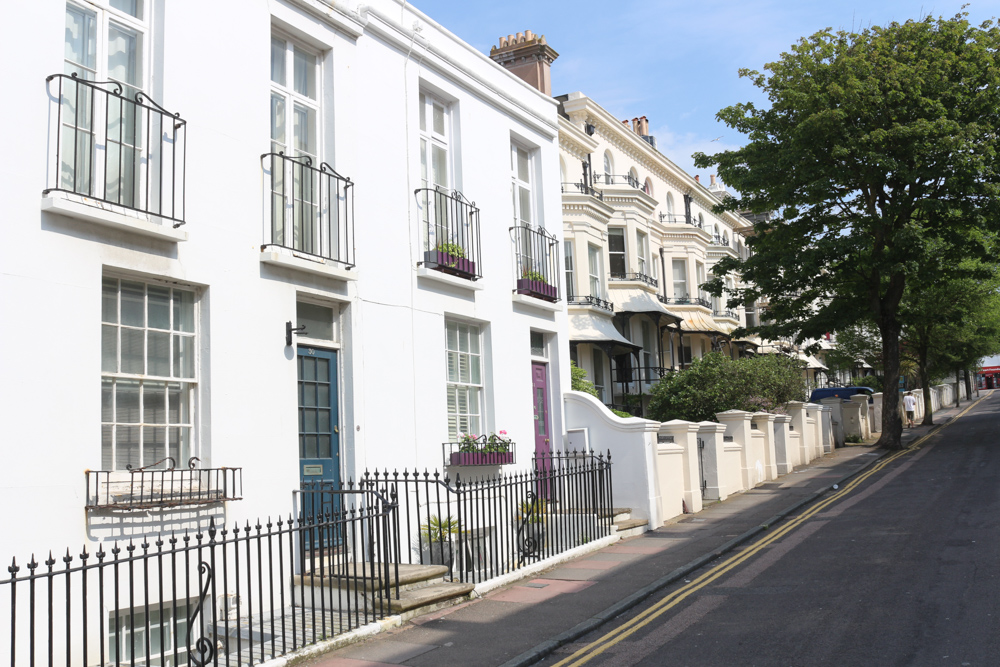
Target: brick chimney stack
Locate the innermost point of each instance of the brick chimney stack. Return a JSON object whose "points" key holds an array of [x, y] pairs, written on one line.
{"points": [[528, 57]]}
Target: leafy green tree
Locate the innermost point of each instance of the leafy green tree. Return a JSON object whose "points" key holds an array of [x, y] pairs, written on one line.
{"points": [[877, 149], [579, 381]]}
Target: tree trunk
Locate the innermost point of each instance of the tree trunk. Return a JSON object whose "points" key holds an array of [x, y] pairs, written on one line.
{"points": [[968, 384], [892, 425], [958, 388]]}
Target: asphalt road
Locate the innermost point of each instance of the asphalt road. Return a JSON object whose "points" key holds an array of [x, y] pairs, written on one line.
{"points": [[901, 567]]}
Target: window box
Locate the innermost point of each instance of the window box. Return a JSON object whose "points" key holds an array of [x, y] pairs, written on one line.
{"points": [[536, 288], [448, 263], [481, 458]]}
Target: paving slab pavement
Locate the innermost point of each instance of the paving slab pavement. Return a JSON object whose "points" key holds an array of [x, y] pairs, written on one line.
{"points": [[510, 625]]}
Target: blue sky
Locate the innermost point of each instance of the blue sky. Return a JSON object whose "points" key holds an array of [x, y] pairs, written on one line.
{"points": [[674, 62]]}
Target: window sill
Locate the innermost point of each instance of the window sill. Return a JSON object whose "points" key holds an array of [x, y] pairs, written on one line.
{"points": [[448, 279], [540, 304], [313, 265], [105, 215]]}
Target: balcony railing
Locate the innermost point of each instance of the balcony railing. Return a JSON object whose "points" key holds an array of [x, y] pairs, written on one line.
{"points": [[148, 487], [451, 232], [621, 179], [536, 272], [684, 300], [114, 144], [591, 301], [582, 188], [637, 277], [311, 208], [731, 314]]}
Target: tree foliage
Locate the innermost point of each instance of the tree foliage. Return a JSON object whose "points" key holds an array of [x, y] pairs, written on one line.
{"points": [[878, 151], [715, 383]]}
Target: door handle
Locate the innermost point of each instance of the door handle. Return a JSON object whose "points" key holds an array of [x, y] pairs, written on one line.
{"points": [[546, 439], [336, 430]]}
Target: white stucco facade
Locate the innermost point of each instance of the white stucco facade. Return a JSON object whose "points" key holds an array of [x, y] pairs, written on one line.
{"points": [[209, 63]]}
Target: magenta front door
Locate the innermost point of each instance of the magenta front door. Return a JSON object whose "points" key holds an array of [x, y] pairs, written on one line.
{"points": [[540, 397]]}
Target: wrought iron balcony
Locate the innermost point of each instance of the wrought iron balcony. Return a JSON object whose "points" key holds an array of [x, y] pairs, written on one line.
{"points": [[535, 262], [114, 144], [638, 277], [311, 208], [582, 188], [684, 301], [153, 486], [731, 314], [621, 179], [591, 301], [451, 232]]}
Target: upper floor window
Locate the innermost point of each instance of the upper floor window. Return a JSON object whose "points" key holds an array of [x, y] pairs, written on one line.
{"points": [[106, 40], [680, 278], [595, 271], [435, 139], [294, 99], [701, 221], [148, 374], [609, 168], [633, 177], [699, 272], [670, 204], [521, 191], [616, 251], [642, 252], [647, 187], [570, 280]]}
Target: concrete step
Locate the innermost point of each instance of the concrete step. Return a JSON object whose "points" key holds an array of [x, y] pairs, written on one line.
{"points": [[629, 524], [413, 602], [371, 575], [617, 514]]}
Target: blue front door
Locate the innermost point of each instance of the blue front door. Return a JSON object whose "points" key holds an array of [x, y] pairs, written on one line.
{"points": [[319, 433]]}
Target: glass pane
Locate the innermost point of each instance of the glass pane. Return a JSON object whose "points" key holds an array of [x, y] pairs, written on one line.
{"points": [[308, 420], [185, 453], [154, 403], [123, 55], [278, 119], [323, 370], [323, 421], [278, 61], [423, 111], [452, 366], [158, 307], [109, 300], [183, 311], [323, 395], [174, 403], [109, 348], [438, 119], [131, 7], [318, 320], [107, 458], [463, 338], [133, 305], [308, 369], [133, 351], [305, 74], [474, 340], [452, 330], [537, 344], [525, 204], [307, 396], [154, 445], [323, 447], [439, 166], [305, 130], [127, 401], [158, 359], [107, 400], [523, 171], [183, 356], [616, 240], [127, 447], [474, 376], [308, 447], [81, 39]]}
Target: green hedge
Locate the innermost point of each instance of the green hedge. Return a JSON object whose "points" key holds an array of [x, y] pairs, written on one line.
{"points": [[715, 383]]}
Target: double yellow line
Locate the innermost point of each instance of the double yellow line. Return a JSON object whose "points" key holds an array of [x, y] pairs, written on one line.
{"points": [[595, 648]]}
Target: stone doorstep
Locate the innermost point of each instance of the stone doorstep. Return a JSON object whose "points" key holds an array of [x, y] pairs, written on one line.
{"points": [[411, 577], [436, 595], [616, 512], [629, 524]]}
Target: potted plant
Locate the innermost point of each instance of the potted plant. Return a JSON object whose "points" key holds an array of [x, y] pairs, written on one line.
{"points": [[494, 449], [450, 258], [437, 537], [534, 284]]}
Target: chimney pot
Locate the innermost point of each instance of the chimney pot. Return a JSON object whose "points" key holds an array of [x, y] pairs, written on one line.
{"points": [[528, 35], [697, 178], [712, 179]]}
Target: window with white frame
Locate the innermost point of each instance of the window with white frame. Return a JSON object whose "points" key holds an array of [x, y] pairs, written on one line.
{"points": [[435, 137], [609, 167], [568, 259], [105, 40], [699, 272], [642, 252], [598, 361], [596, 271], [648, 348], [670, 204], [295, 98], [616, 252], [521, 190], [148, 374], [130, 629], [680, 278], [465, 379]]}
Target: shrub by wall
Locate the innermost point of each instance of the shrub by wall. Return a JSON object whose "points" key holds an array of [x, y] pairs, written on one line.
{"points": [[715, 383]]}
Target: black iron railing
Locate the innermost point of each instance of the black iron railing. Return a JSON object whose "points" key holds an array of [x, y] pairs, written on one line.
{"points": [[731, 314], [486, 527], [215, 595], [685, 300], [535, 262], [451, 232], [114, 144], [678, 219], [582, 188], [638, 277], [622, 179], [154, 486], [311, 209], [591, 300]]}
